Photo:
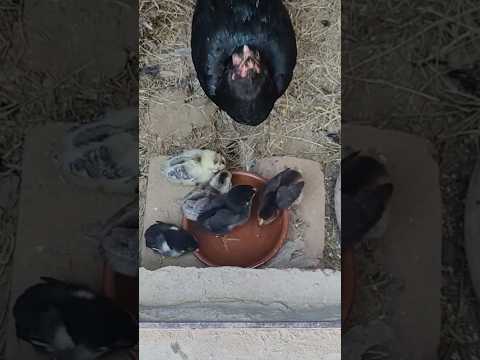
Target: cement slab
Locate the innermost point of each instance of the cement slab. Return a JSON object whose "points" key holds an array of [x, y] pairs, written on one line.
{"points": [[304, 247], [240, 344], [179, 294], [163, 203], [53, 217], [412, 245]]}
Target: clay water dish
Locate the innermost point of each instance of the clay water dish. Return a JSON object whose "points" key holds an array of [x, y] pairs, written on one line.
{"points": [[124, 290], [247, 246], [348, 284], [348, 261]]}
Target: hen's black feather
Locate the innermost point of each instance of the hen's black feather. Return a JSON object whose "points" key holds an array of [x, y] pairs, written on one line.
{"points": [[219, 28]]}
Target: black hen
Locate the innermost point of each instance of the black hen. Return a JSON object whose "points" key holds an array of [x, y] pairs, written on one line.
{"points": [[365, 196], [244, 53], [72, 322]]}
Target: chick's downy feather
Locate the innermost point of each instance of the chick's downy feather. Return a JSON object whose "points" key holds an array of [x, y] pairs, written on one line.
{"points": [[227, 211], [280, 192], [169, 240], [194, 167], [198, 200], [365, 193], [362, 211]]}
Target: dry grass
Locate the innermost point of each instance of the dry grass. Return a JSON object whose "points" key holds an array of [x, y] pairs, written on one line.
{"points": [[301, 118]]}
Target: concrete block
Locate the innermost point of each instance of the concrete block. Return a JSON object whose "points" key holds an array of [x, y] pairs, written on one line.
{"points": [[163, 203], [304, 248], [237, 294], [411, 247], [240, 344]]}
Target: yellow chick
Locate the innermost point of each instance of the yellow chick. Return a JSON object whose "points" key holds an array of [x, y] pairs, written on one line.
{"points": [[194, 167], [104, 154]]}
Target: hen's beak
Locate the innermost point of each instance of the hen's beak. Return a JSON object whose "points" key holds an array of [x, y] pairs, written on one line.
{"points": [[247, 53], [245, 62]]}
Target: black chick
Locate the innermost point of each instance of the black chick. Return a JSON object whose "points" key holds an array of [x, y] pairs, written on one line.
{"points": [[169, 240], [72, 322], [227, 211], [468, 78], [365, 196], [244, 53], [280, 192]]}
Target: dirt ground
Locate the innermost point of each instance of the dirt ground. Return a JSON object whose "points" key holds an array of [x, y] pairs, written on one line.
{"points": [[301, 123]]}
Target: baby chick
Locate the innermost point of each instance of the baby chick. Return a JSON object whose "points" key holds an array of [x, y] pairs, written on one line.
{"points": [[118, 237], [194, 167], [366, 192], [221, 182], [72, 322], [227, 211], [169, 240], [467, 79], [280, 192], [197, 200], [104, 154]]}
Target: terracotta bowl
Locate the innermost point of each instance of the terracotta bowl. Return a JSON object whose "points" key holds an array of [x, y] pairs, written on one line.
{"points": [[247, 246], [124, 291], [348, 284]]}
